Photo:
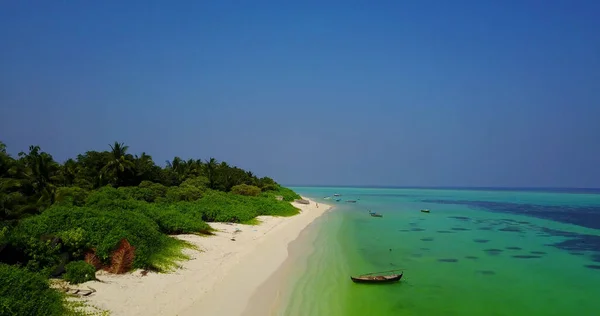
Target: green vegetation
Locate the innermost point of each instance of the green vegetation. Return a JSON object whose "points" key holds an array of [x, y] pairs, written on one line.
{"points": [[115, 211], [27, 293], [79, 272]]}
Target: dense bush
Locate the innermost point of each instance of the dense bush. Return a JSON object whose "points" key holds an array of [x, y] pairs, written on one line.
{"points": [[172, 221], [71, 195], [287, 194], [79, 271], [218, 206], [183, 193], [27, 293], [148, 191], [247, 190], [100, 229]]}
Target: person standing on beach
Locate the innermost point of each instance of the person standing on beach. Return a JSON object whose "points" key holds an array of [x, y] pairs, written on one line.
{"points": [[317, 205]]}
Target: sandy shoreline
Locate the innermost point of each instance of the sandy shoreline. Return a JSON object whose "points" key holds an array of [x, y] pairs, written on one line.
{"points": [[220, 280]]}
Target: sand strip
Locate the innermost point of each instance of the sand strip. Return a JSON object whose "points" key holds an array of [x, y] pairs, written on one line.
{"points": [[220, 280]]}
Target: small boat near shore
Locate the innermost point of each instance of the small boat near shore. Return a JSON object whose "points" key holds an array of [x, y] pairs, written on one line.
{"points": [[337, 194], [376, 215], [373, 278], [425, 211], [351, 201]]}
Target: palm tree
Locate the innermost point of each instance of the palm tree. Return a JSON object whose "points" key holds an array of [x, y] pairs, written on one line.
{"points": [[69, 172], [118, 164], [211, 172], [39, 172]]}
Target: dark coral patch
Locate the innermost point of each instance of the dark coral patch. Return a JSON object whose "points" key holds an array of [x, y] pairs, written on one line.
{"points": [[459, 228], [538, 252], [404, 230], [471, 257], [462, 218], [445, 232], [417, 229], [481, 241], [448, 260], [486, 272], [493, 252], [514, 248], [593, 266], [427, 239], [525, 256], [485, 228], [510, 229], [577, 253]]}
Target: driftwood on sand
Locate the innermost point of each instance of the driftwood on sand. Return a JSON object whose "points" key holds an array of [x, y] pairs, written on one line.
{"points": [[78, 292], [302, 201]]}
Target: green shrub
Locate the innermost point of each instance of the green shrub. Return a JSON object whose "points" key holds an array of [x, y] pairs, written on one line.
{"points": [[172, 221], [148, 191], [27, 293], [244, 189], [287, 194], [198, 182], [74, 241], [103, 229], [184, 193], [218, 206], [71, 195], [79, 271]]}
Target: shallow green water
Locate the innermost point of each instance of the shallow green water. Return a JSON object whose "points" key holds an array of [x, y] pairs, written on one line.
{"points": [[457, 260]]}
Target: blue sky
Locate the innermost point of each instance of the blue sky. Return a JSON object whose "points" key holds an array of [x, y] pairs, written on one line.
{"points": [[408, 93]]}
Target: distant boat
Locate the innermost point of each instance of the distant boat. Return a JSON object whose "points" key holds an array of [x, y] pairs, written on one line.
{"points": [[327, 198], [371, 278], [337, 194], [425, 211], [376, 215], [351, 201], [337, 200]]}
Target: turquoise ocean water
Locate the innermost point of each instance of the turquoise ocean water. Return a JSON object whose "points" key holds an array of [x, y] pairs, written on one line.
{"points": [[479, 252]]}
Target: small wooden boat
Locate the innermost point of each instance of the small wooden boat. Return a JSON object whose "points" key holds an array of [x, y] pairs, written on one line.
{"points": [[337, 194], [425, 211], [371, 278], [376, 215]]}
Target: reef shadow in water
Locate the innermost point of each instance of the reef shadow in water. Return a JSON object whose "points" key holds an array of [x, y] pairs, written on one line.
{"points": [[481, 241], [574, 243], [444, 232], [416, 229], [593, 266], [526, 256], [486, 272], [427, 239], [586, 216], [448, 260], [514, 248], [493, 252], [459, 229]]}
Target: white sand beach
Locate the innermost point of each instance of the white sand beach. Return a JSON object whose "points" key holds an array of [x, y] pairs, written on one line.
{"points": [[220, 280]]}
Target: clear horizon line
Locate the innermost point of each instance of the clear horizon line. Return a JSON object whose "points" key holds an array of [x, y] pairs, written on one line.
{"points": [[436, 187]]}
